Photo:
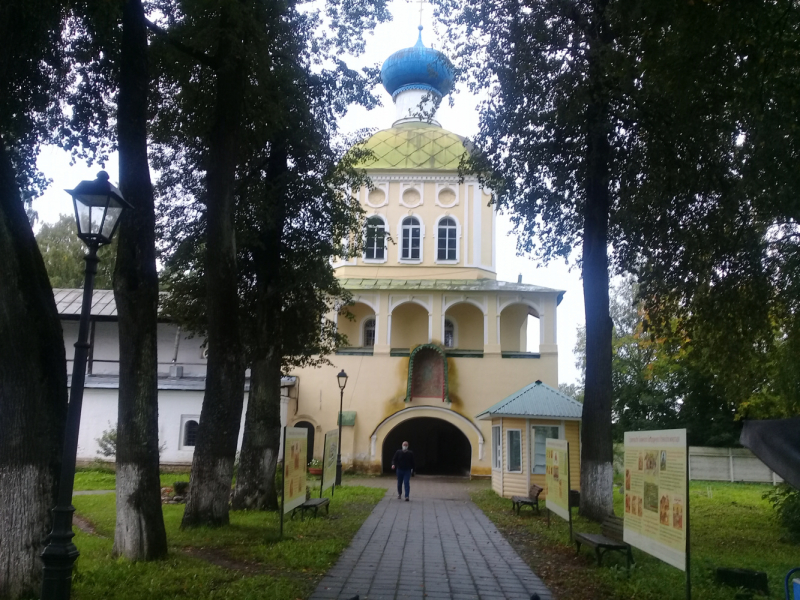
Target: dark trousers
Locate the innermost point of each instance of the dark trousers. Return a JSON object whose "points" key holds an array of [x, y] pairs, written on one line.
{"points": [[403, 479]]}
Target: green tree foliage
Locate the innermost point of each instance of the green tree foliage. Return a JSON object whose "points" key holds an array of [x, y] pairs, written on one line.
{"points": [[287, 175], [63, 254]]}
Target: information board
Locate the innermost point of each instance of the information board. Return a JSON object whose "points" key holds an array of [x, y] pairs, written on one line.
{"points": [[329, 459], [656, 506], [294, 467], [556, 479]]}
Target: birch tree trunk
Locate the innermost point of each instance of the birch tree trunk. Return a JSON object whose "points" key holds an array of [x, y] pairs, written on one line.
{"points": [[140, 533], [33, 395]]}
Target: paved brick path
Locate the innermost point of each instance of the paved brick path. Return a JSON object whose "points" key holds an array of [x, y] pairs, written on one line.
{"points": [[433, 547]]}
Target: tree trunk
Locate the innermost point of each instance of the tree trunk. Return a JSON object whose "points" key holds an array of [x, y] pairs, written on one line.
{"points": [[596, 436], [255, 482], [218, 432], [33, 395], [140, 533]]}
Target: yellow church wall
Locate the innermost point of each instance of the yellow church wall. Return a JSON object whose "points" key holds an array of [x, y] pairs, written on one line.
{"points": [[409, 326], [428, 196], [354, 329], [377, 387], [511, 321], [469, 324]]}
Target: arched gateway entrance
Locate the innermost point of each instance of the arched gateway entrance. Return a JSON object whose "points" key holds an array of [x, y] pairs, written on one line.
{"points": [[440, 448]]}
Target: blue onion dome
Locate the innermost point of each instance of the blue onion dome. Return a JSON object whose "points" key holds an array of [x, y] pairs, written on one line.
{"points": [[417, 68]]}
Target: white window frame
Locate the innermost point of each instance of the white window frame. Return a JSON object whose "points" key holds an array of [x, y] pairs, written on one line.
{"points": [[560, 428], [508, 452], [364, 331], [376, 261], [497, 448], [455, 332], [411, 261], [436, 242], [181, 433]]}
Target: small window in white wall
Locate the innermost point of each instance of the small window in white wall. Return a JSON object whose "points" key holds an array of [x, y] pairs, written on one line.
{"points": [[540, 433], [449, 334], [412, 239], [446, 239], [190, 433], [369, 333], [514, 450], [497, 448]]}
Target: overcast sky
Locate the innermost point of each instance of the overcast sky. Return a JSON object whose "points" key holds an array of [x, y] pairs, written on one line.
{"points": [[462, 119]]}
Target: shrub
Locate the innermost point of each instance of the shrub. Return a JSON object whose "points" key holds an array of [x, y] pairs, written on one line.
{"points": [[786, 501], [108, 442], [181, 488]]}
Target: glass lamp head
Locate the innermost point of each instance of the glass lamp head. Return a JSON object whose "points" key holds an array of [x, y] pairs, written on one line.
{"points": [[342, 379], [98, 207]]}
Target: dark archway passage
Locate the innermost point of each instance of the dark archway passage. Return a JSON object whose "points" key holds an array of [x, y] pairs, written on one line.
{"points": [[310, 438], [440, 448]]}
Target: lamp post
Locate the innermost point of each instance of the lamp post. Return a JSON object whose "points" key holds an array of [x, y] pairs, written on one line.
{"points": [[342, 379], [98, 207]]}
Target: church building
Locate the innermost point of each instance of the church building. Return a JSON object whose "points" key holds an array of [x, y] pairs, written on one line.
{"points": [[434, 338], [438, 351]]}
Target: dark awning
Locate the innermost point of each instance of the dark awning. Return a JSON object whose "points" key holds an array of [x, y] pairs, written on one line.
{"points": [[777, 443]]}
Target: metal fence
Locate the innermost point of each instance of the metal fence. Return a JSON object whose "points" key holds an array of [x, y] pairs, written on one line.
{"points": [[728, 464]]}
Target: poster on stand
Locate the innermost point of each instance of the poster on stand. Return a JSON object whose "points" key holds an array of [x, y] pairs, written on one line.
{"points": [[294, 467], [329, 459], [656, 506], [556, 479]]}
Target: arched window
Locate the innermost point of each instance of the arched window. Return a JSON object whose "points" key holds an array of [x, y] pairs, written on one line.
{"points": [[369, 333], [412, 239], [449, 334], [375, 245], [446, 239], [190, 433]]}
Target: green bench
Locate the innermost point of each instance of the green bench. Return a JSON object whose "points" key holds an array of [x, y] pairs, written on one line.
{"points": [[532, 499], [313, 504], [610, 540]]}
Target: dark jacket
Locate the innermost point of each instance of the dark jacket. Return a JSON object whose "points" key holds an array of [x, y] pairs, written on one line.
{"points": [[403, 460]]}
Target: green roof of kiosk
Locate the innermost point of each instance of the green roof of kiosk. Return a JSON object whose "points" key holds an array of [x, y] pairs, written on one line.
{"points": [[536, 400], [415, 145]]}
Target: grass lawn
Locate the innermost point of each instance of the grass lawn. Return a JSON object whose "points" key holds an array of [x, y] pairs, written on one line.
{"points": [[100, 477], [245, 560], [731, 526]]}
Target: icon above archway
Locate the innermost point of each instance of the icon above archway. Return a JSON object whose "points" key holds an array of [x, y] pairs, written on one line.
{"points": [[427, 373]]}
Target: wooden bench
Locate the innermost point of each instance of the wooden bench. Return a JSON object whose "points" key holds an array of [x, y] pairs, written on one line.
{"points": [[314, 504], [532, 499], [609, 541]]}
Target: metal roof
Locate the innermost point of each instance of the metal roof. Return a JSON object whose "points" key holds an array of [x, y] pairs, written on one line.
{"points": [[196, 384], [535, 400], [68, 303], [414, 146], [461, 285]]}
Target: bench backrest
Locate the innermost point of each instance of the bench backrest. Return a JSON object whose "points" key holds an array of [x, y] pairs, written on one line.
{"points": [[534, 492], [612, 527]]}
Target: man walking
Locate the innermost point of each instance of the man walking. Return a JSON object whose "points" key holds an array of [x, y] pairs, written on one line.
{"points": [[403, 463]]}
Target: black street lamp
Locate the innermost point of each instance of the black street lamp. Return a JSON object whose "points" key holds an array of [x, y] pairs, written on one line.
{"points": [[342, 379], [98, 207]]}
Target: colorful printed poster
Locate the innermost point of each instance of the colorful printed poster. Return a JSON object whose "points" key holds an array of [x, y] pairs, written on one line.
{"points": [[329, 458], [556, 479], [294, 467], [655, 493]]}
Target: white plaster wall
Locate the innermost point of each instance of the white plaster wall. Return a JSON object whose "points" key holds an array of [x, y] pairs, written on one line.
{"points": [[99, 414]]}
